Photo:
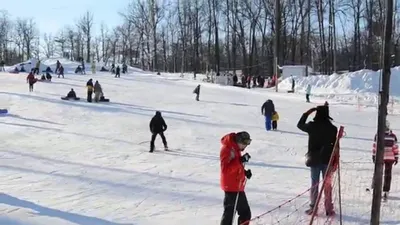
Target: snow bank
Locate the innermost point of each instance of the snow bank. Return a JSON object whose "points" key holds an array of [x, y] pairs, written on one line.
{"points": [[362, 81]]}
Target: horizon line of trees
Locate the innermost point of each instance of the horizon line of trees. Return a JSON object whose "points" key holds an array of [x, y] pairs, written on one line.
{"points": [[208, 35]]}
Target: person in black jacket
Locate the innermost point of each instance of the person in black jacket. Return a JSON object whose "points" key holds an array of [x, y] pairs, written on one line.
{"points": [[158, 126], [321, 141], [268, 109]]}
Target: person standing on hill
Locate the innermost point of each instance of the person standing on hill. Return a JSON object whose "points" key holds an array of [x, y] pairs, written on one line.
{"points": [[158, 127], [321, 140], [308, 92], [391, 157], [233, 177], [90, 88], [118, 72], [31, 80], [98, 91], [93, 67], [197, 92], [267, 109]]}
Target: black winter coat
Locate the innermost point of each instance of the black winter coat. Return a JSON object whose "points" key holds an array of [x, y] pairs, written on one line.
{"points": [[157, 124], [321, 139], [268, 108]]}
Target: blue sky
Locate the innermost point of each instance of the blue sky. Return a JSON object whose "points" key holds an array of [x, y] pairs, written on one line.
{"points": [[51, 15]]}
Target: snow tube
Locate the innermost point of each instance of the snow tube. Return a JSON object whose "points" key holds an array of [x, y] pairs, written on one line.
{"points": [[3, 111]]}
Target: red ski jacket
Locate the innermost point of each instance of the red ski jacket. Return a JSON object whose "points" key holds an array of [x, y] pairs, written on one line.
{"points": [[232, 170]]}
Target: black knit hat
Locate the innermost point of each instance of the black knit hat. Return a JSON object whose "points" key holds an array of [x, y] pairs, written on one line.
{"points": [[322, 113], [243, 138]]}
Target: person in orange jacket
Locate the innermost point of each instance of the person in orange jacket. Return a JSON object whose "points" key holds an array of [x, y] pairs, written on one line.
{"points": [[233, 177]]}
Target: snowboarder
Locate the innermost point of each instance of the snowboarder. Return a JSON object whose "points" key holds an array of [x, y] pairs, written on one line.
{"points": [[391, 156], [98, 91], [31, 80], [197, 92], [267, 109], [322, 138], [275, 118], [90, 87], [308, 92], [233, 177], [158, 126]]}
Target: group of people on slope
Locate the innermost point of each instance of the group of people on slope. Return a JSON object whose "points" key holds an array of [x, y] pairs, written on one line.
{"points": [[322, 135]]}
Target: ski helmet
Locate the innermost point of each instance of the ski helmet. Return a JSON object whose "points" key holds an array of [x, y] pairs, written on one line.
{"points": [[243, 138]]}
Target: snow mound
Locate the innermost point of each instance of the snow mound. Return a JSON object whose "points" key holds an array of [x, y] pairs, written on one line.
{"points": [[362, 82]]}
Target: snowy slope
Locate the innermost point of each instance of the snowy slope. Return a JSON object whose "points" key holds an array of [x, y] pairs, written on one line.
{"points": [[66, 163]]}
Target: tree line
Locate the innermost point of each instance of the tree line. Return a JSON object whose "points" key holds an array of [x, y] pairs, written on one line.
{"points": [[209, 35]]}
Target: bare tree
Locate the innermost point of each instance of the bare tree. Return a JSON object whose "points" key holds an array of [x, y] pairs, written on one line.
{"points": [[86, 24], [48, 45]]}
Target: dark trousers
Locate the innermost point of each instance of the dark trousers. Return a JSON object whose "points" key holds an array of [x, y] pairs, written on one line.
{"points": [[30, 87], [307, 97], [197, 97], [153, 138], [274, 125], [242, 207], [387, 176], [89, 96]]}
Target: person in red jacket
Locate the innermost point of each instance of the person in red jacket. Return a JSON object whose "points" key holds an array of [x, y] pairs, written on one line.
{"points": [[233, 177], [31, 80], [391, 156]]}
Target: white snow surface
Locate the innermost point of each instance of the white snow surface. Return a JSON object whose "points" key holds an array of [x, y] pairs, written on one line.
{"points": [[64, 162]]}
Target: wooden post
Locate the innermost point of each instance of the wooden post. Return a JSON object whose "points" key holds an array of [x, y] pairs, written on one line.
{"points": [[377, 194], [277, 41]]}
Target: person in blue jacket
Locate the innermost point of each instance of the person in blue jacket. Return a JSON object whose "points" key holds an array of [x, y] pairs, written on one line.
{"points": [[268, 109]]}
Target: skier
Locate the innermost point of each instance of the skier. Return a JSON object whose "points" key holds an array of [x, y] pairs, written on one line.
{"points": [[90, 87], [31, 80], [267, 110], [197, 92], [275, 118], [391, 156], [158, 126], [308, 92], [321, 140], [233, 177]]}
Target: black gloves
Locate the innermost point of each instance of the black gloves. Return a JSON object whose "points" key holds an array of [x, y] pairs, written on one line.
{"points": [[373, 159], [248, 173], [245, 158]]}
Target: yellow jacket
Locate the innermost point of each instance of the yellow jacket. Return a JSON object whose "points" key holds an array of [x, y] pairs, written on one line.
{"points": [[275, 117]]}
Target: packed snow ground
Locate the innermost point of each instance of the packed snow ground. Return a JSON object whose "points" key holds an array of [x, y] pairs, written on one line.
{"points": [[66, 163]]}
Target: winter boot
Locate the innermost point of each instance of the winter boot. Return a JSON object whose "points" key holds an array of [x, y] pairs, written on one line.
{"points": [[166, 147], [385, 195], [151, 148], [330, 213], [310, 210]]}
